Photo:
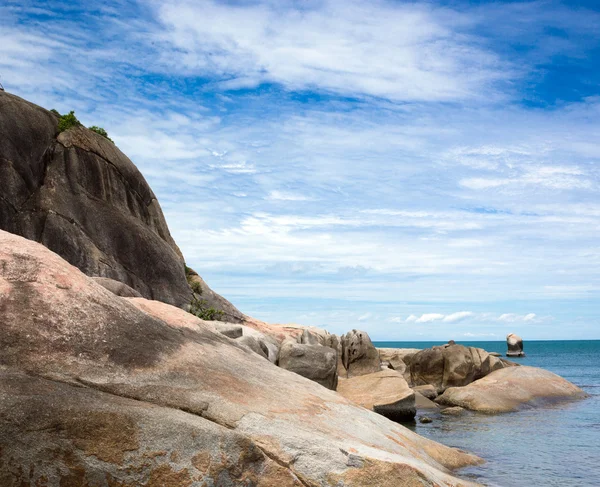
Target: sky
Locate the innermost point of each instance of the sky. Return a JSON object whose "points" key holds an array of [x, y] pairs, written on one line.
{"points": [[417, 170]]}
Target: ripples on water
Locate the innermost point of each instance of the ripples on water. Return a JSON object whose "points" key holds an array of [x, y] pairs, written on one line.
{"points": [[552, 446]]}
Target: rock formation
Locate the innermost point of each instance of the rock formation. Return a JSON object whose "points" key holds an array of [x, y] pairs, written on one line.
{"points": [[515, 345], [385, 392], [97, 389], [451, 365], [509, 389], [315, 362], [80, 196], [359, 355]]}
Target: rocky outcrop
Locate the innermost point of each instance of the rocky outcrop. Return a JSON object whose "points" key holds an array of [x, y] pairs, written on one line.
{"points": [[450, 366], [515, 345], [100, 390], [509, 389], [80, 196], [315, 362], [359, 355], [385, 392]]}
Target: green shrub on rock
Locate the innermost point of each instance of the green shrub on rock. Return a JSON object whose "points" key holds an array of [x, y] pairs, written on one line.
{"points": [[68, 121], [199, 308], [100, 131]]}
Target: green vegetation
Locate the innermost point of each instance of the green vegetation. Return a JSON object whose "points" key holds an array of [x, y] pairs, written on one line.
{"points": [[199, 308], [100, 131], [68, 121], [65, 122]]}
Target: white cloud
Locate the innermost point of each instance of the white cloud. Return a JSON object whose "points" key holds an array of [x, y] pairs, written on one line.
{"points": [[460, 315], [395, 51], [285, 196], [364, 317], [429, 317], [411, 319]]}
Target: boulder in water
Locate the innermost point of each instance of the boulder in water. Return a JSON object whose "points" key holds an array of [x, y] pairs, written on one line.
{"points": [[515, 345]]}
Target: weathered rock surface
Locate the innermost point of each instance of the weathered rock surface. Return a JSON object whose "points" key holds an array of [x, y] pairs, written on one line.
{"points": [[453, 411], [450, 366], [97, 389], [515, 345], [509, 389], [359, 355], [385, 392], [315, 362], [117, 288]]}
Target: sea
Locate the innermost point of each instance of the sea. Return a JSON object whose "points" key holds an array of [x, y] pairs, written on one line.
{"points": [[557, 445]]}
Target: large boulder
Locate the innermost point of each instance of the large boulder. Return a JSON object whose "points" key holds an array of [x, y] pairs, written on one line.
{"points": [[359, 355], [450, 366], [315, 362], [514, 344], [385, 392], [509, 389], [101, 390]]}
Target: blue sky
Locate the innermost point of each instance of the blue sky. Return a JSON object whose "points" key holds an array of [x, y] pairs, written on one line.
{"points": [[419, 170]]}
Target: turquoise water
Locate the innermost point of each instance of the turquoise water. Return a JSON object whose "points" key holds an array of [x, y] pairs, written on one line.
{"points": [[553, 446]]}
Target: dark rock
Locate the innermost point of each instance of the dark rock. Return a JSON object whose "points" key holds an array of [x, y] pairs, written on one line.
{"points": [[211, 299], [80, 196], [425, 419]]}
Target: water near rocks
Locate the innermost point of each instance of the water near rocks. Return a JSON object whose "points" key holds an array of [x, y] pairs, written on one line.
{"points": [[553, 446]]}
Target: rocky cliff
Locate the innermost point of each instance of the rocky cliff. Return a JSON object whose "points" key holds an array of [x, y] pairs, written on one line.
{"points": [[80, 196]]}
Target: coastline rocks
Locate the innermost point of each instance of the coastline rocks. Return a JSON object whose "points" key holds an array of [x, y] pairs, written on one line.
{"points": [[385, 392], [515, 345], [397, 358], [451, 366], [315, 362], [509, 389], [359, 355], [422, 402], [101, 390]]}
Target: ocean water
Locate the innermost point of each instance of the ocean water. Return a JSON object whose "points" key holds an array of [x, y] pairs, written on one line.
{"points": [[555, 445]]}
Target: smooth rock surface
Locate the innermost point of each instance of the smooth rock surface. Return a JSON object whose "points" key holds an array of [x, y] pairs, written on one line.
{"points": [[94, 388], [509, 389], [397, 357], [385, 392], [359, 355]]}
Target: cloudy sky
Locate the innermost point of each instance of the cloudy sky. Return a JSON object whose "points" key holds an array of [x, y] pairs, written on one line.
{"points": [[419, 170]]}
